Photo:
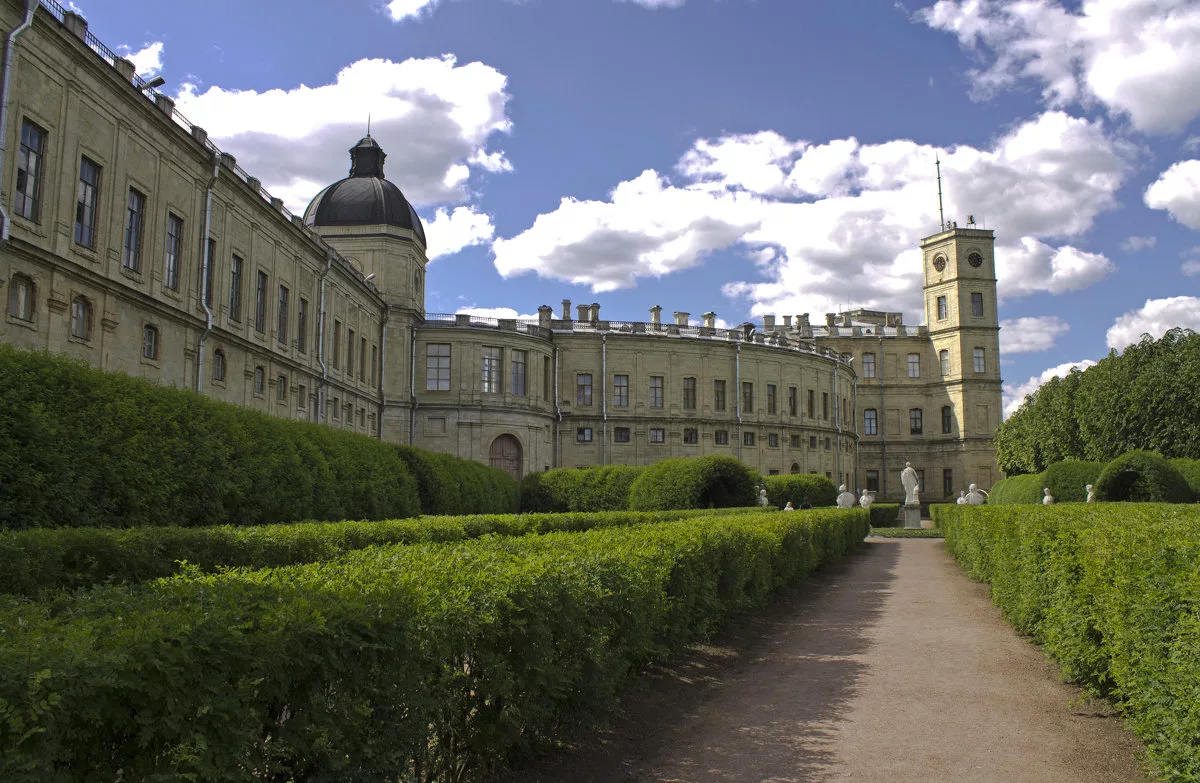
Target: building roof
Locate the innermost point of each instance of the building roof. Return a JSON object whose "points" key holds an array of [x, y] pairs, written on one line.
{"points": [[364, 198]]}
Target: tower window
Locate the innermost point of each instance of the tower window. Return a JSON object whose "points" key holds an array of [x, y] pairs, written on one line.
{"points": [[947, 420], [977, 304], [135, 213], [978, 356], [914, 365], [870, 422], [941, 308], [944, 360], [437, 367], [915, 423]]}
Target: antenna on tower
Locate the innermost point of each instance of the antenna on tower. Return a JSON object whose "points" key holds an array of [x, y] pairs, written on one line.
{"points": [[941, 215], [368, 123]]}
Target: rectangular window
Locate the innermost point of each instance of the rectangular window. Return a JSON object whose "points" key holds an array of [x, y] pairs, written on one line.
{"points": [[977, 305], [942, 312], [718, 395], [870, 422], [208, 272], [914, 365], [28, 195], [20, 298], [868, 365], [583, 388], [362, 358], [518, 373], [747, 397], [174, 252], [656, 391], [337, 344], [135, 216], [281, 389], [583, 434], [375, 366], [337, 408], [621, 391], [793, 406], [915, 423], [302, 326], [689, 394], [491, 371], [281, 327], [691, 435], [302, 397], [812, 442], [944, 361], [771, 401], [86, 202], [548, 379], [350, 353], [437, 367], [872, 481], [149, 342], [947, 420], [260, 380], [947, 482], [828, 444], [721, 437], [811, 398], [260, 303], [825, 406], [773, 440], [795, 441], [81, 318], [747, 438], [978, 358], [658, 435], [921, 481], [236, 265], [620, 434]]}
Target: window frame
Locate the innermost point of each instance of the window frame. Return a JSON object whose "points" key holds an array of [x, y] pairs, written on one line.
{"points": [[721, 437], [282, 313], [916, 421], [947, 420], [302, 325], [173, 252], [914, 365], [237, 268], [135, 229], [220, 366], [437, 364], [657, 388], [262, 283], [22, 298], [583, 434], [281, 388], [977, 304], [689, 394], [749, 439], [491, 357], [719, 394], [260, 380], [658, 435], [691, 436], [979, 359], [868, 364], [772, 399], [150, 340], [87, 202], [622, 435], [82, 316], [944, 361], [27, 195], [620, 390], [870, 421], [943, 308], [747, 396], [583, 389], [519, 379]]}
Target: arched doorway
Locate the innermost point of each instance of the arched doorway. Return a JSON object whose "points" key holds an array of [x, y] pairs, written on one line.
{"points": [[795, 467], [505, 454]]}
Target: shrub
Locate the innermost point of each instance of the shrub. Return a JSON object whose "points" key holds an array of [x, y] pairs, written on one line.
{"points": [[1018, 489], [704, 482], [1067, 479], [580, 489], [1190, 470], [798, 487], [884, 514], [1142, 476]]}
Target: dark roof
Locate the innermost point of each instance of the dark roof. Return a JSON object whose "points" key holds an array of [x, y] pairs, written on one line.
{"points": [[365, 197]]}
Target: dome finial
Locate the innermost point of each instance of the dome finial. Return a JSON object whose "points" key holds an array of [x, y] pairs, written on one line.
{"points": [[366, 158], [368, 125]]}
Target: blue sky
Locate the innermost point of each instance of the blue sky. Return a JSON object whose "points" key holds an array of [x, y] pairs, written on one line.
{"points": [[741, 156]]}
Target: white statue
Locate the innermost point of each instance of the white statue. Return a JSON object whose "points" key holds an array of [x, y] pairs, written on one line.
{"points": [[975, 496], [866, 500], [1091, 496], [789, 506], [962, 497], [908, 477], [1047, 498], [762, 497], [845, 499]]}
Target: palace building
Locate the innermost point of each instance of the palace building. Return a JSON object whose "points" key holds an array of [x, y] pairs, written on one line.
{"points": [[131, 242]]}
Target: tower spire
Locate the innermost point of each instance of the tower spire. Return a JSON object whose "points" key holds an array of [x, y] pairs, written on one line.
{"points": [[368, 123], [941, 215]]}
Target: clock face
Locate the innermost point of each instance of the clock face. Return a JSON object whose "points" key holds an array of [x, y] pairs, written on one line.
{"points": [[975, 260], [939, 263]]}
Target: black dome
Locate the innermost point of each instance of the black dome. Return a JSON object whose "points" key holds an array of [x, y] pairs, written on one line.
{"points": [[365, 197]]}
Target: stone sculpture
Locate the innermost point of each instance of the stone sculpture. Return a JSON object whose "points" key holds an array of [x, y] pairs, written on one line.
{"points": [[962, 497], [866, 500], [908, 477], [1091, 496], [762, 497], [845, 499], [975, 496], [1047, 498]]}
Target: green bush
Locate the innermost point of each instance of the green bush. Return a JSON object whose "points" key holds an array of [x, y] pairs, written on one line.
{"points": [[1190, 470], [798, 487], [704, 482], [429, 662], [1068, 479], [884, 514], [603, 488], [1018, 489], [1109, 591], [1142, 476]]}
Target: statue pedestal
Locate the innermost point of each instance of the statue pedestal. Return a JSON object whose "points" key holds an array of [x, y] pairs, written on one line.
{"points": [[912, 516]]}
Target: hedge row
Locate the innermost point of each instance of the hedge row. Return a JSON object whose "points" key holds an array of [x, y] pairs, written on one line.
{"points": [[83, 448], [704, 482], [34, 561], [1110, 591], [579, 489], [426, 662], [798, 488], [884, 514], [1137, 476]]}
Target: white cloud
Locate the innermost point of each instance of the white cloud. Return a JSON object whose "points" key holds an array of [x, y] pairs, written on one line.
{"points": [[1031, 334], [1013, 395], [1139, 58], [822, 225], [1177, 190], [497, 312], [433, 117], [147, 61], [450, 232], [1134, 244], [400, 10], [1190, 268], [1154, 318]]}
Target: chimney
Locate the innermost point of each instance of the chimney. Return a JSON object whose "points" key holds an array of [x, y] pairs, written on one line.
{"points": [[566, 310], [164, 104], [125, 67], [545, 315], [199, 134], [802, 321], [583, 312], [681, 319], [76, 24], [656, 315], [829, 319], [595, 311], [748, 331], [787, 322], [768, 323], [710, 320]]}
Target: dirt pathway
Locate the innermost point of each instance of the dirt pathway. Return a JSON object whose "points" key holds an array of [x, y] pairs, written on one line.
{"points": [[890, 667]]}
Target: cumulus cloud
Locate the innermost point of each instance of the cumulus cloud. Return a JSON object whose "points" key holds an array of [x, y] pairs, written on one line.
{"points": [[433, 117], [1134, 244], [1154, 318], [497, 312], [401, 10], [1177, 190], [1030, 334], [147, 61], [1014, 394], [449, 232], [1190, 268], [824, 224], [1139, 58]]}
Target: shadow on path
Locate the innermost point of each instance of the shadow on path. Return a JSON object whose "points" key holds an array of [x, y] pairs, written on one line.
{"points": [[757, 703]]}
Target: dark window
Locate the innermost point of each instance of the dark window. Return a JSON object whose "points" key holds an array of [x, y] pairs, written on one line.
{"points": [[689, 394], [135, 217], [868, 365], [771, 394], [718, 395], [437, 367], [915, 416], [362, 358], [947, 483], [236, 265], [150, 342], [375, 368], [656, 391], [942, 312], [691, 435], [519, 363], [977, 305], [583, 434], [658, 435], [621, 391], [86, 202], [350, 353], [947, 419], [721, 437], [218, 365], [583, 389], [747, 397], [870, 422], [281, 328], [30, 157], [620, 434], [944, 361], [795, 441], [260, 303], [337, 344], [81, 318], [792, 404], [302, 326], [872, 481], [773, 440], [281, 389], [174, 252], [825, 406], [260, 380], [812, 441], [210, 262], [747, 438]]}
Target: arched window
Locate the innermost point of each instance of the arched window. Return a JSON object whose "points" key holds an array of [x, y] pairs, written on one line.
{"points": [[219, 365], [505, 453], [81, 318], [150, 342], [21, 297], [795, 468]]}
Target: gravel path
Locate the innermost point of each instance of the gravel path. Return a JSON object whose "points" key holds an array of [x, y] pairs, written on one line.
{"points": [[890, 667]]}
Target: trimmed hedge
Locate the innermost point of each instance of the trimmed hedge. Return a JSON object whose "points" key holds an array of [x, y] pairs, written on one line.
{"points": [[426, 662], [884, 514], [1068, 479], [704, 482], [33, 561], [1017, 489], [603, 488], [1142, 476], [797, 487], [1110, 592], [1189, 469]]}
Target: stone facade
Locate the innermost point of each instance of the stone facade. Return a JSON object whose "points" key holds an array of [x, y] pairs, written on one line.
{"points": [[112, 199]]}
